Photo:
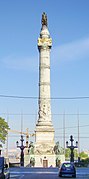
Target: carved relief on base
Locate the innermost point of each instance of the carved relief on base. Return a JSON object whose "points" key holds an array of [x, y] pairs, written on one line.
{"points": [[44, 149]]}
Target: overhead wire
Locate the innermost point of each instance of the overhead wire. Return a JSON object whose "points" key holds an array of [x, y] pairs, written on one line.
{"points": [[35, 97]]}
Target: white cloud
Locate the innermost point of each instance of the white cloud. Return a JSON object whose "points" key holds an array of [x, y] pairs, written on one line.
{"points": [[75, 50], [21, 63]]}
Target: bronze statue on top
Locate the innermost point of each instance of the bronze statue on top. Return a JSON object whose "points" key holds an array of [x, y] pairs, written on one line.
{"points": [[44, 19]]}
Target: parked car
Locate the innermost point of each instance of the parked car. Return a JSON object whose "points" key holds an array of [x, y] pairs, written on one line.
{"points": [[4, 171], [67, 169]]}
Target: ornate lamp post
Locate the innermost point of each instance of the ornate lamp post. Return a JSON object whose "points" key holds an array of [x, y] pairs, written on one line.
{"points": [[71, 147], [22, 147]]}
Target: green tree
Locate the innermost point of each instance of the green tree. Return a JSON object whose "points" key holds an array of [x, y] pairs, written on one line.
{"points": [[3, 130], [83, 155], [68, 152]]}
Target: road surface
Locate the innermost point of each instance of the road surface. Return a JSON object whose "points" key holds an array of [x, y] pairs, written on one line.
{"points": [[44, 173]]}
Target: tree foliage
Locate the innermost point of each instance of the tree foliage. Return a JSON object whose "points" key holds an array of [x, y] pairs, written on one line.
{"points": [[3, 130], [83, 155], [68, 152]]}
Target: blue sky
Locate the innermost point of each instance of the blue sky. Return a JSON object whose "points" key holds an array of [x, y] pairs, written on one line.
{"points": [[68, 23]]}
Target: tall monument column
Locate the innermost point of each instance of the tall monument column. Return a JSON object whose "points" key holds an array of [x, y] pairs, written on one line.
{"points": [[44, 132]]}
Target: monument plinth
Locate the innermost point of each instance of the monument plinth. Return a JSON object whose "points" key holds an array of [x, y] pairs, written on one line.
{"points": [[44, 132]]}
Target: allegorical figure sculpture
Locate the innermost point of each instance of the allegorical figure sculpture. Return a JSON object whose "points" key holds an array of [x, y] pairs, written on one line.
{"points": [[44, 19]]}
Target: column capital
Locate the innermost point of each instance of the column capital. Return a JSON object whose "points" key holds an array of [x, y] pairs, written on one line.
{"points": [[44, 43]]}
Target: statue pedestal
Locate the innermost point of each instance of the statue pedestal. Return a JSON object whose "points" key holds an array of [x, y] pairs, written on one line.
{"points": [[44, 147], [45, 160]]}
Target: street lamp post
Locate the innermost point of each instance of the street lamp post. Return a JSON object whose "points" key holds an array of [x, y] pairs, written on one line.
{"points": [[22, 147], [71, 147]]}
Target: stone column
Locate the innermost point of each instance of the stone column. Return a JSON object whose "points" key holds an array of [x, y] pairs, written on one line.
{"points": [[44, 128], [44, 46]]}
